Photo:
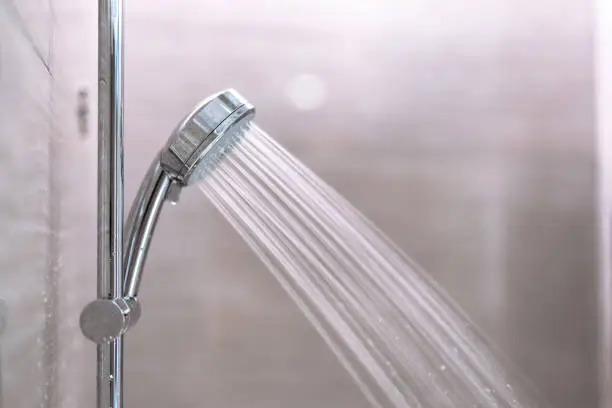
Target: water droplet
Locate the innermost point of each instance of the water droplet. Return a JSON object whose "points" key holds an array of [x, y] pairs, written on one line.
{"points": [[443, 367], [509, 387]]}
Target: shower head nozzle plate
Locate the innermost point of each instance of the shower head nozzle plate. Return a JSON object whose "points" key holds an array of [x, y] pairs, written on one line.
{"points": [[202, 137]]}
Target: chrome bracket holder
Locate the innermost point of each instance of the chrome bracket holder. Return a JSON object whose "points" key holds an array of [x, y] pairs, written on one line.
{"points": [[105, 320]]}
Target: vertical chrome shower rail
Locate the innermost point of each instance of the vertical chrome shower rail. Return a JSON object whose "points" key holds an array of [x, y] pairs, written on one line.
{"points": [[110, 191]]}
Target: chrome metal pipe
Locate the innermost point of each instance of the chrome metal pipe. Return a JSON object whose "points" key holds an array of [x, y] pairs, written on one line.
{"points": [[110, 191]]}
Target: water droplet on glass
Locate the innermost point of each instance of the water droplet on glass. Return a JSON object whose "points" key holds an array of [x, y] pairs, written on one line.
{"points": [[443, 367]]}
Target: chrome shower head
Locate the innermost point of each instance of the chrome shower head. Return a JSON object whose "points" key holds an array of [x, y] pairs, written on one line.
{"points": [[194, 148], [201, 138]]}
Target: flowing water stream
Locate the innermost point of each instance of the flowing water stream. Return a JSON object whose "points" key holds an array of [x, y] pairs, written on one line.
{"points": [[402, 339]]}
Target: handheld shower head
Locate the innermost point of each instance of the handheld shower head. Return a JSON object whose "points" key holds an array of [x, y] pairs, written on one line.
{"points": [[200, 139], [193, 149]]}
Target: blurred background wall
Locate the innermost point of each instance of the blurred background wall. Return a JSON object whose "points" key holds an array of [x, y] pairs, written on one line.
{"points": [[28, 206], [465, 130]]}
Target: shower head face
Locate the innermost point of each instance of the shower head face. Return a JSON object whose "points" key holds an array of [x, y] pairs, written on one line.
{"points": [[201, 139]]}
